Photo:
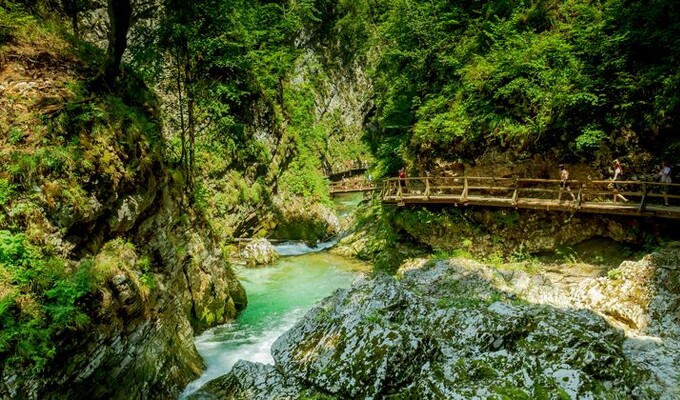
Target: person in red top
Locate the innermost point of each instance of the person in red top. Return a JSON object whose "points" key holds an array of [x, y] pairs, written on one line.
{"points": [[402, 180]]}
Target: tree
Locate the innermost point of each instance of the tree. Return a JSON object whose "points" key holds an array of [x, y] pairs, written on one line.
{"points": [[72, 8], [120, 17]]}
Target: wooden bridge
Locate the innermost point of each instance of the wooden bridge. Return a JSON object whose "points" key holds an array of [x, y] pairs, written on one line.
{"points": [[352, 186], [644, 199], [357, 168]]}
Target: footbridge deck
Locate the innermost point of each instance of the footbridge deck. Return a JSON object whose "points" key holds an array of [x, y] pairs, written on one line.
{"points": [[637, 198], [350, 187]]}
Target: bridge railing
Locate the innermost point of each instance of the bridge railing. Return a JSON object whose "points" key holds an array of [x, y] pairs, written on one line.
{"points": [[516, 189], [351, 186]]}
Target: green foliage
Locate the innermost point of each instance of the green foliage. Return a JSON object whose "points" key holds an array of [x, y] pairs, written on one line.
{"points": [[310, 394], [614, 274], [579, 77], [6, 190], [16, 135], [567, 255], [13, 21], [39, 302], [590, 139], [147, 278], [520, 256]]}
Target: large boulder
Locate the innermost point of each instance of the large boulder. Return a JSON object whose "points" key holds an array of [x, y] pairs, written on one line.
{"points": [[259, 252], [445, 330]]}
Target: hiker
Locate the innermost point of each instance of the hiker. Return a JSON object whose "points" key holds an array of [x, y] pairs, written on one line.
{"points": [[564, 185], [618, 176], [665, 177], [402, 180]]}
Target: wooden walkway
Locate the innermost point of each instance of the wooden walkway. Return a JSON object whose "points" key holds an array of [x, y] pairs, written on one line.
{"points": [[348, 173], [645, 199], [350, 187]]}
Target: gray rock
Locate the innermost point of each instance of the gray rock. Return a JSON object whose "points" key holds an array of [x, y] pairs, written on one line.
{"points": [[250, 381], [452, 331], [259, 252]]}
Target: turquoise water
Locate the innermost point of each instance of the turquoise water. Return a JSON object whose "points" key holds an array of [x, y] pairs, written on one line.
{"points": [[346, 203], [278, 296]]}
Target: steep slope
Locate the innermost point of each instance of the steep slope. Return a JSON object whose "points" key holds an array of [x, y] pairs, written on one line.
{"points": [[105, 273]]}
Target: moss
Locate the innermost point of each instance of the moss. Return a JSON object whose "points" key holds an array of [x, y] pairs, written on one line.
{"points": [[511, 393], [208, 317], [6, 191]]}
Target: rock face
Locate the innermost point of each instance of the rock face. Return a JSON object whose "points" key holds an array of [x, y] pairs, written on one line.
{"points": [[455, 330], [110, 211], [301, 219], [259, 252], [140, 343]]}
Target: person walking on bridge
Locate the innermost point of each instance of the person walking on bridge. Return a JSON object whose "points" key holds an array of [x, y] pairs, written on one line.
{"points": [[402, 181], [665, 177], [618, 176], [564, 185]]}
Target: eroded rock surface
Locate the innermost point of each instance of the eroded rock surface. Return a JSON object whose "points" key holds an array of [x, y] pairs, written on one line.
{"points": [[259, 252], [304, 220], [461, 330]]}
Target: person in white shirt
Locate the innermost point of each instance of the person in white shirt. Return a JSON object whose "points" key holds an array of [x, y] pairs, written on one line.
{"points": [[618, 175], [665, 177], [564, 185]]}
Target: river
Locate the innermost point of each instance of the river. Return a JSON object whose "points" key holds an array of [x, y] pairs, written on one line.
{"points": [[278, 295]]}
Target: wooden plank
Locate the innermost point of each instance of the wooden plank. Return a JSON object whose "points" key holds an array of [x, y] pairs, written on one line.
{"points": [[539, 190], [474, 194], [548, 205], [490, 188]]}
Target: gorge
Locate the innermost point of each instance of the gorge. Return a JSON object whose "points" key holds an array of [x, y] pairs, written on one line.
{"points": [[144, 145]]}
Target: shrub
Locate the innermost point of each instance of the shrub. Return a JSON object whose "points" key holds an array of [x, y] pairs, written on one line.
{"points": [[590, 139], [6, 190], [38, 303]]}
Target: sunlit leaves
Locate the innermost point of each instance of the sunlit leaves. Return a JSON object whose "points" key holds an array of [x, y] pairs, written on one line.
{"points": [[460, 76]]}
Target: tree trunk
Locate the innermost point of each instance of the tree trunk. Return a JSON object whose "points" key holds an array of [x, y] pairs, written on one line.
{"points": [[74, 23], [191, 125], [180, 103], [71, 9], [120, 14]]}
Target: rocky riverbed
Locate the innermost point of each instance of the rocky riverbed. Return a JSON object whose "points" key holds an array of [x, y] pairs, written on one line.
{"points": [[458, 329]]}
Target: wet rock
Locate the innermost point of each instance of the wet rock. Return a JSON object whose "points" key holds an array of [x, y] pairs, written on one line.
{"points": [[250, 381], [446, 330], [303, 220], [259, 252]]}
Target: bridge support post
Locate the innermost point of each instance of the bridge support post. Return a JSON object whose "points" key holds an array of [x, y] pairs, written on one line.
{"points": [[579, 195], [515, 193], [464, 195], [643, 201], [427, 187]]}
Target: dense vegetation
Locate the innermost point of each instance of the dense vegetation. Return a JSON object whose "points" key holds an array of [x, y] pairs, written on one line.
{"points": [[576, 81], [64, 151], [236, 98], [82, 132]]}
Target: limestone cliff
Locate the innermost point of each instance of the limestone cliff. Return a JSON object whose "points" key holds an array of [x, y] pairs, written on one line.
{"points": [[122, 273]]}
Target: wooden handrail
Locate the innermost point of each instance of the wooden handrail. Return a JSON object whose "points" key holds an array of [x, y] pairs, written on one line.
{"points": [[586, 195], [533, 180]]}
